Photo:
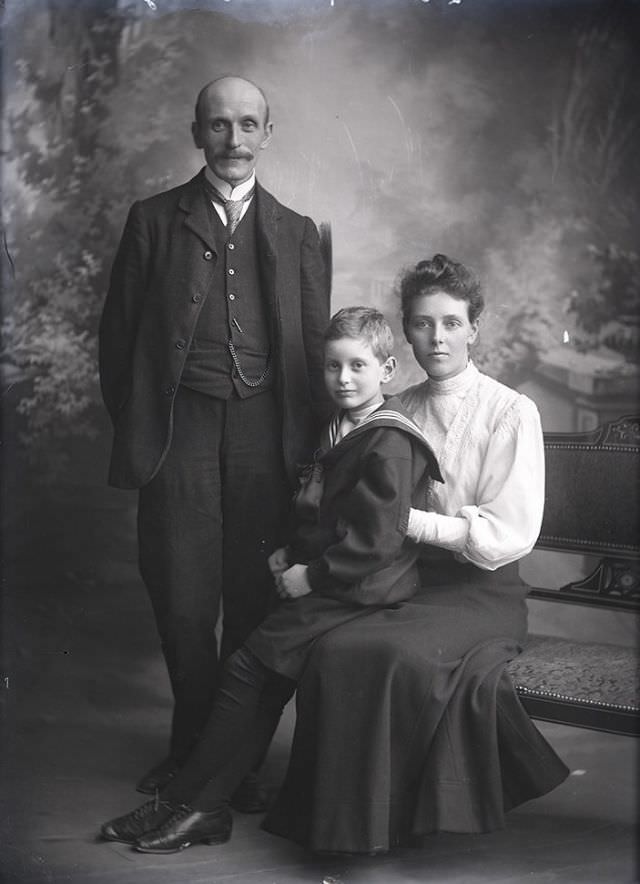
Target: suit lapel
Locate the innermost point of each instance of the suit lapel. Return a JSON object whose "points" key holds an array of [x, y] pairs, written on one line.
{"points": [[197, 216], [268, 214]]}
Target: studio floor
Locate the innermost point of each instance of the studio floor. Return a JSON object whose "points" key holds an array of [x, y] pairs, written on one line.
{"points": [[87, 705]]}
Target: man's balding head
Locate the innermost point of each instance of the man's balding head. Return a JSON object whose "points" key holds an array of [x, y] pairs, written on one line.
{"points": [[233, 82]]}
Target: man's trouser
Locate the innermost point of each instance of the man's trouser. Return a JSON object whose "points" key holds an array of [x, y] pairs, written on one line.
{"points": [[206, 524]]}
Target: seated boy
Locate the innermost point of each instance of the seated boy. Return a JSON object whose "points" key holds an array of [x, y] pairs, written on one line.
{"points": [[348, 556]]}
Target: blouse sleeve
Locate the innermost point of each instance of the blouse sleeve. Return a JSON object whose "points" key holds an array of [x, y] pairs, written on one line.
{"points": [[504, 524]]}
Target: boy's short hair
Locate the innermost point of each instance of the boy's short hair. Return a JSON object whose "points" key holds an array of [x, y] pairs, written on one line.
{"points": [[365, 323]]}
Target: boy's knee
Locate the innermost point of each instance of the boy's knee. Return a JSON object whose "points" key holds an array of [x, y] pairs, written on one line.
{"points": [[245, 665]]}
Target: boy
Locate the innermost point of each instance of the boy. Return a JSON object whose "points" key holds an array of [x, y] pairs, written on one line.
{"points": [[348, 556]]}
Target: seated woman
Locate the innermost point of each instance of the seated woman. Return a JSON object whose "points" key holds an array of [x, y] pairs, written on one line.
{"points": [[407, 722]]}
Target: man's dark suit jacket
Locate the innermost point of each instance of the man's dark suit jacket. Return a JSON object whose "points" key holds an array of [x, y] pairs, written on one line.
{"points": [[161, 276]]}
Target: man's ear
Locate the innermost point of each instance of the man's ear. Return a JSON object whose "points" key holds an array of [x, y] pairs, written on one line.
{"points": [[268, 136], [389, 369]]}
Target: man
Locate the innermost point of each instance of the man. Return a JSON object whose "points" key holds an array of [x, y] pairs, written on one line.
{"points": [[211, 370]]}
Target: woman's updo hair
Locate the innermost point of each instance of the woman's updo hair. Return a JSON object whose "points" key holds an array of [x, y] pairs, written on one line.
{"points": [[440, 274]]}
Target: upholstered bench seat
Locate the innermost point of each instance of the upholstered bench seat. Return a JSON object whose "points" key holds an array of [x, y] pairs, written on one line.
{"points": [[581, 684]]}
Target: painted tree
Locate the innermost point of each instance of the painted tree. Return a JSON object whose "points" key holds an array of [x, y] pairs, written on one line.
{"points": [[70, 174], [62, 81]]}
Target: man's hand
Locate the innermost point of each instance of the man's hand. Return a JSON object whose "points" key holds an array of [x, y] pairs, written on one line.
{"points": [[278, 562], [293, 583]]}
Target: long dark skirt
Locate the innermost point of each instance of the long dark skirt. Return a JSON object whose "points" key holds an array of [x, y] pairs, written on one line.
{"points": [[408, 724]]}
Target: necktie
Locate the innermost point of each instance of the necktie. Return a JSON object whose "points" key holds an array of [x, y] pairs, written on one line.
{"points": [[232, 208]]}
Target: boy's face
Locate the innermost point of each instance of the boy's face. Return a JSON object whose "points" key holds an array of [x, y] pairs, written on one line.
{"points": [[354, 374]]}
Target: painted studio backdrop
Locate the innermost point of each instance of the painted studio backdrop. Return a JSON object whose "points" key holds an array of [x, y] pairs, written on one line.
{"points": [[505, 133]]}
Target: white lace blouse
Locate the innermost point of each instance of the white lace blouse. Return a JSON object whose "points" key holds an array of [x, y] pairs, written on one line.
{"points": [[488, 440]]}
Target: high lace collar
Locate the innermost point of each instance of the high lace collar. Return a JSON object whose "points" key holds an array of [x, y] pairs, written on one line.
{"points": [[458, 384]]}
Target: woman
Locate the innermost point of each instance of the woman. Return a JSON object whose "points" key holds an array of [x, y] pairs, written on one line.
{"points": [[407, 722]]}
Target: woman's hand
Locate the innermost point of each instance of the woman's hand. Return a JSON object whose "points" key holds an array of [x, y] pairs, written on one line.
{"points": [[278, 562], [293, 583]]}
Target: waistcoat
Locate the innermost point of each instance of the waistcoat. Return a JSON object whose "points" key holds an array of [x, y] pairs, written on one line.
{"points": [[234, 311]]}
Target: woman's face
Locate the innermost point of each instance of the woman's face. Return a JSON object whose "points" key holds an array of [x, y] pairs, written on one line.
{"points": [[440, 333]]}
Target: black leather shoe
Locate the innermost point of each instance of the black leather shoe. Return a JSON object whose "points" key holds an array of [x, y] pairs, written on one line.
{"points": [[186, 827], [250, 796], [128, 828], [157, 778]]}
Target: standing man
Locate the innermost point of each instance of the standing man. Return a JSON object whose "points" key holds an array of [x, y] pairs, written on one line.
{"points": [[211, 370]]}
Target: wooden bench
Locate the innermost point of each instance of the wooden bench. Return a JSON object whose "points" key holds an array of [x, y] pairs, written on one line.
{"points": [[591, 507]]}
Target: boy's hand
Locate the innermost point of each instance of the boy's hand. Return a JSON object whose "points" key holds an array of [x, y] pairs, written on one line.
{"points": [[293, 583], [278, 562]]}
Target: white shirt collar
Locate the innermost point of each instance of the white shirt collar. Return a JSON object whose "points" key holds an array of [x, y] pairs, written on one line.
{"points": [[226, 189], [458, 384]]}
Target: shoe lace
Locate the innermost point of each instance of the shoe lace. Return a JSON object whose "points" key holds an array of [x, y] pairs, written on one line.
{"points": [[149, 807], [178, 813]]}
